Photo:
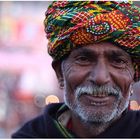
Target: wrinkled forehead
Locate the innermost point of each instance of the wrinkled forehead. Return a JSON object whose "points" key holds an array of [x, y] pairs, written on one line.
{"points": [[102, 48]]}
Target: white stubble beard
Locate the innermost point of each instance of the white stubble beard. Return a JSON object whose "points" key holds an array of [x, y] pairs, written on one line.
{"points": [[87, 115]]}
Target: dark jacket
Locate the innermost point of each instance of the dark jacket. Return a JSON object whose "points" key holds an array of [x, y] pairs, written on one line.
{"points": [[47, 126]]}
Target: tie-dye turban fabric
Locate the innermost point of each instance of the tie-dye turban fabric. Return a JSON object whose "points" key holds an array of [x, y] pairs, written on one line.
{"points": [[70, 24]]}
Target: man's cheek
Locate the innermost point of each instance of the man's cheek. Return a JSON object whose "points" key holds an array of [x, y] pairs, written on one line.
{"points": [[124, 82], [72, 80], [76, 78]]}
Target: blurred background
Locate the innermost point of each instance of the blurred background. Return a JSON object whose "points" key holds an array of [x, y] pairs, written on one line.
{"points": [[27, 80]]}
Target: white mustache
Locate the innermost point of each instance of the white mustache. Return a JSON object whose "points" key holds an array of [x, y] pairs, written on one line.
{"points": [[96, 90]]}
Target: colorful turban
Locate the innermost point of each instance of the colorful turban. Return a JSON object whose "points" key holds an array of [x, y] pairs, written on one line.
{"points": [[69, 24]]}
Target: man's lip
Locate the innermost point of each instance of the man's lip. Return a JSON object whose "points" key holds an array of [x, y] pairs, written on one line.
{"points": [[96, 100]]}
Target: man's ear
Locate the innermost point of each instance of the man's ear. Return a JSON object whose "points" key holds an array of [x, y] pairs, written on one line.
{"points": [[58, 70]]}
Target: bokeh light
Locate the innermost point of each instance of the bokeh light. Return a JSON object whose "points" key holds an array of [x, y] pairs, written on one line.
{"points": [[52, 99], [134, 105]]}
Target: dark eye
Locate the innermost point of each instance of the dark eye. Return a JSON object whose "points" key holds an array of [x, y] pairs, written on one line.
{"points": [[83, 60], [119, 62]]}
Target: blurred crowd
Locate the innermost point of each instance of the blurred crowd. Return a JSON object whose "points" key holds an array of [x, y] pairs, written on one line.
{"points": [[18, 104], [26, 77], [15, 107]]}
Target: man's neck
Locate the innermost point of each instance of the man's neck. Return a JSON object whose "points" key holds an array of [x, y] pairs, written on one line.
{"points": [[88, 129]]}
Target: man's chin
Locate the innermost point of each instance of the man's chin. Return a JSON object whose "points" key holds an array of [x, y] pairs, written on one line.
{"points": [[88, 114], [98, 116], [98, 113]]}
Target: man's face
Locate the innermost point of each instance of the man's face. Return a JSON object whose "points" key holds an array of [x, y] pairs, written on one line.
{"points": [[97, 81]]}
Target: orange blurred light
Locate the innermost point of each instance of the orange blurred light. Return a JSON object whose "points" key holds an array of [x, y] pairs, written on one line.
{"points": [[134, 105], [51, 99]]}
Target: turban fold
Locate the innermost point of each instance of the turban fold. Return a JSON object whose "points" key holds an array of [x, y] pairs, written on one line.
{"points": [[69, 24]]}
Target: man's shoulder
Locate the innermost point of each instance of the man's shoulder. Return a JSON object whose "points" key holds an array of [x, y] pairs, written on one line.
{"points": [[134, 123], [134, 113], [135, 116], [31, 129], [37, 127], [128, 126]]}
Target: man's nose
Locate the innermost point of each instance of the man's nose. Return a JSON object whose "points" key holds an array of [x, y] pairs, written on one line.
{"points": [[100, 74]]}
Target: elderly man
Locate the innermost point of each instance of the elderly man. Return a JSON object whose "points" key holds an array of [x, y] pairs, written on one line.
{"points": [[95, 47]]}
